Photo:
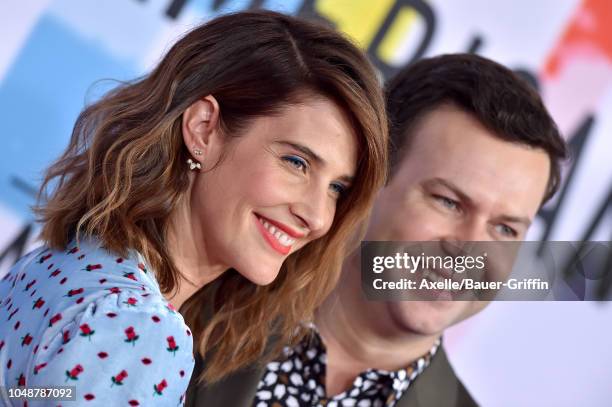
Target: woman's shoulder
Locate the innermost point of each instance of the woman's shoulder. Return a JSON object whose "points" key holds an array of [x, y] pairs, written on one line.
{"points": [[84, 267], [83, 309], [124, 345]]}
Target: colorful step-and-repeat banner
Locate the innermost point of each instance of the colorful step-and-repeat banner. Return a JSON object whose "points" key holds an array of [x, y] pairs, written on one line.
{"points": [[57, 55]]}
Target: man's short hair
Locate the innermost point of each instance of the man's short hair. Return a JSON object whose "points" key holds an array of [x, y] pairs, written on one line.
{"points": [[499, 99]]}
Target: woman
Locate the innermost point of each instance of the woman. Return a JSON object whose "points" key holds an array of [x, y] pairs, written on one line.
{"points": [[247, 157]]}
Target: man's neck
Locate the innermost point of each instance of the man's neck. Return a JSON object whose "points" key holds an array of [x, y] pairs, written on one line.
{"points": [[357, 340]]}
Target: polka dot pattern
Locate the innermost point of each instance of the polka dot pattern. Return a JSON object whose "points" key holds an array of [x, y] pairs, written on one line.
{"points": [[298, 380]]}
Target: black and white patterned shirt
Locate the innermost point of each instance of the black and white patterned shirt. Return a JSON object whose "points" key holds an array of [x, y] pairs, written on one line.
{"points": [[299, 380]]}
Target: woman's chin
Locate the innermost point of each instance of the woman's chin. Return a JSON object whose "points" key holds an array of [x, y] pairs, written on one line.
{"points": [[260, 277]]}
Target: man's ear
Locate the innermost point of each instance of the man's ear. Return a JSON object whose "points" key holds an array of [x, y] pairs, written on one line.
{"points": [[200, 127]]}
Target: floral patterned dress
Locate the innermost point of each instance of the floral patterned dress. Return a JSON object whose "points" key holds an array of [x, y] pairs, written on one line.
{"points": [[85, 317]]}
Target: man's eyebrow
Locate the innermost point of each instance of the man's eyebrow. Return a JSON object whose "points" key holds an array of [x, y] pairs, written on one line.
{"points": [[313, 157], [506, 218], [516, 219], [452, 187]]}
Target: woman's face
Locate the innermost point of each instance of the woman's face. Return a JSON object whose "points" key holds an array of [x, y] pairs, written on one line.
{"points": [[275, 189]]}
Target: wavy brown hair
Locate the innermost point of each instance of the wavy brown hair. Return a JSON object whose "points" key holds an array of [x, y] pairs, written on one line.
{"points": [[124, 170]]}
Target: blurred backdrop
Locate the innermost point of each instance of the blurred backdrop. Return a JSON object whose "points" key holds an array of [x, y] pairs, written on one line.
{"points": [[58, 55]]}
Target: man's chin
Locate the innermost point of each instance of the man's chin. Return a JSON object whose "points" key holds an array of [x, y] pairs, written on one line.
{"points": [[426, 318]]}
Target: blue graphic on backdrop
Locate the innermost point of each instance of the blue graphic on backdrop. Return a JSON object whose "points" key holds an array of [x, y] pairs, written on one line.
{"points": [[44, 91]]}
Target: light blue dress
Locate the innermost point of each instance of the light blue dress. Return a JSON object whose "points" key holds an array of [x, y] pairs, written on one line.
{"points": [[85, 317]]}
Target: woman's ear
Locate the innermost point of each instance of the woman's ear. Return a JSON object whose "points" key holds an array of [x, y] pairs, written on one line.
{"points": [[200, 127]]}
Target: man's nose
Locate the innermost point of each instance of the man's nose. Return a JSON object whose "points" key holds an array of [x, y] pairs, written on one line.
{"points": [[470, 230]]}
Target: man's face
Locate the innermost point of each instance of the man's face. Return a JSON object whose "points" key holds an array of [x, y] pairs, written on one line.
{"points": [[457, 182]]}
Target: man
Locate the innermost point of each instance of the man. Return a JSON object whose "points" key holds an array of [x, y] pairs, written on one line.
{"points": [[475, 155]]}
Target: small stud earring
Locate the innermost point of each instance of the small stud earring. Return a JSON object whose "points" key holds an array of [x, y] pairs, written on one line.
{"points": [[197, 151], [193, 164]]}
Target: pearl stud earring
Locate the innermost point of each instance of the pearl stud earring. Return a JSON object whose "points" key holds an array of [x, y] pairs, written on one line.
{"points": [[193, 164]]}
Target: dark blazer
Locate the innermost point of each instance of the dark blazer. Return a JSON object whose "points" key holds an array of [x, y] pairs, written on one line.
{"points": [[437, 386]]}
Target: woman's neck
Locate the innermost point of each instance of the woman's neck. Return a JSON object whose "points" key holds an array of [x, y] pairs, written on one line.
{"points": [[187, 248]]}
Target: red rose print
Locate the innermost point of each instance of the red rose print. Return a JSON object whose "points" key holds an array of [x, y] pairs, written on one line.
{"points": [[54, 319], [115, 290], [26, 340], [131, 335], [38, 303], [131, 276], [91, 267], [102, 355], [74, 373], [44, 258], [72, 293], [171, 345], [146, 361], [159, 388], [21, 381], [131, 301], [63, 280], [182, 373], [155, 318], [102, 280], [86, 331], [133, 403], [119, 260], [89, 397], [118, 380], [80, 300], [65, 337], [29, 285], [111, 314], [37, 368], [55, 273]]}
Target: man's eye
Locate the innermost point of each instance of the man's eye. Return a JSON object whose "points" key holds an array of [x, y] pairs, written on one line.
{"points": [[507, 230], [297, 162], [447, 202]]}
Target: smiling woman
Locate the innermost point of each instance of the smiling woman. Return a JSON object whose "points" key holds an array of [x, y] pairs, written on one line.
{"points": [[248, 156]]}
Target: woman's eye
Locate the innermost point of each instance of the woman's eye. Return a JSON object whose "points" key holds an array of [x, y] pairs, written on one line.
{"points": [[447, 202], [339, 189], [297, 162], [507, 230]]}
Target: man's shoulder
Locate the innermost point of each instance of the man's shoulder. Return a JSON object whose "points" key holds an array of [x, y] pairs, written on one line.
{"points": [[438, 385]]}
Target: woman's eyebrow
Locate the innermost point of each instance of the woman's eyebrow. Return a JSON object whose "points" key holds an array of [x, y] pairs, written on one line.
{"points": [[306, 150], [348, 179]]}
